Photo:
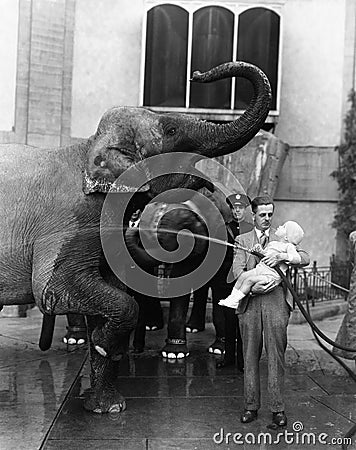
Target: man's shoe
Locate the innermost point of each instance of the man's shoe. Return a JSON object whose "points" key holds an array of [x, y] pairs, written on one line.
{"points": [[279, 418], [249, 415]]}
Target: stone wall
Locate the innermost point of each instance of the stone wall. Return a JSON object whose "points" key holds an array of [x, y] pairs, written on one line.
{"points": [[44, 73]]}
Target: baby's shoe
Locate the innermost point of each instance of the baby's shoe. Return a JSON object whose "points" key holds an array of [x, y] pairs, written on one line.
{"points": [[230, 302]]}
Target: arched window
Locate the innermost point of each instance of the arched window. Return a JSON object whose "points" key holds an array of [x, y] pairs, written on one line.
{"points": [[212, 42], [258, 43], [166, 56], [196, 36]]}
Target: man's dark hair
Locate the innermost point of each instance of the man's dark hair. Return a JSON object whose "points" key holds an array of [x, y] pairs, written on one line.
{"points": [[262, 200]]}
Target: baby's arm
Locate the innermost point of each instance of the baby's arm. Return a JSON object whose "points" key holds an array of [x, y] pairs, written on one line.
{"points": [[293, 256]]}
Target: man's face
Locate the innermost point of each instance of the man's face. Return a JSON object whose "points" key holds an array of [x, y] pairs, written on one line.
{"points": [[263, 217], [238, 212]]}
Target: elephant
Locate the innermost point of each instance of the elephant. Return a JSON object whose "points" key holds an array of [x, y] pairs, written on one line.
{"points": [[51, 201], [176, 343]]}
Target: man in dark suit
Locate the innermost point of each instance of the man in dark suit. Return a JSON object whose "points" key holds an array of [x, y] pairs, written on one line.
{"points": [[238, 225], [225, 320], [264, 315]]}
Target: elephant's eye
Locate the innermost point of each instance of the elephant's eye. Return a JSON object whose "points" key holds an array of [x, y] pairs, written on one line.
{"points": [[171, 131], [122, 150]]}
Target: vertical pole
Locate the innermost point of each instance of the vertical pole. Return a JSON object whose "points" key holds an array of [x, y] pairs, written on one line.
{"points": [[314, 271]]}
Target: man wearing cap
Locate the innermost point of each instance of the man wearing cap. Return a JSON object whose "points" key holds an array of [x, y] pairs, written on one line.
{"points": [[238, 204], [237, 226], [224, 319]]}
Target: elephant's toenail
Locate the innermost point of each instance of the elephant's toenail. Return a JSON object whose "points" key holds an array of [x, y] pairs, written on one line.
{"points": [[180, 355], [171, 355], [72, 341], [100, 350], [115, 408]]}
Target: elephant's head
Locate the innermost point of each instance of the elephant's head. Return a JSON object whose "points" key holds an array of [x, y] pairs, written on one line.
{"points": [[126, 136]]}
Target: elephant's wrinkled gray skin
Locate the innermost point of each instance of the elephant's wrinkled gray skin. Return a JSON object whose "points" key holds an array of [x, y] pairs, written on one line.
{"points": [[200, 221], [51, 201]]}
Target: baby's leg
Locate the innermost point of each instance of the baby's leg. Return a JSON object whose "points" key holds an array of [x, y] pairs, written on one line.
{"points": [[250, 281], [241, 279], [234, 299]]}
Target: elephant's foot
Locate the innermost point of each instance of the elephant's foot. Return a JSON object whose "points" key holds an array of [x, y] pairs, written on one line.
{"points": [[112, 348], [75, 336], [155, 324], [218, 346], [175, 349], [154, 327], [194, 327], [109, 401]]}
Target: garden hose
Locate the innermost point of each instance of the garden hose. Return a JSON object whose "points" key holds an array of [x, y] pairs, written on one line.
{"points": [[318, 333], [299, 303], [49, 321]]}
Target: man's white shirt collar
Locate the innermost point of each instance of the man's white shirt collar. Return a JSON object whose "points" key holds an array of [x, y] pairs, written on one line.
{"points": [[259, 232]]}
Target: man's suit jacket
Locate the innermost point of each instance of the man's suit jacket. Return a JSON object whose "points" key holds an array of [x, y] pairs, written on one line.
{"points": [[245, 261]]}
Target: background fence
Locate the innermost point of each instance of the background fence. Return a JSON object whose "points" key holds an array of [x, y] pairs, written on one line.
{"points": [[323, 283]]}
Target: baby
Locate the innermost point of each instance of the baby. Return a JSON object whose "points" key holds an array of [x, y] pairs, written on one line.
{"points": [[289, 235]]}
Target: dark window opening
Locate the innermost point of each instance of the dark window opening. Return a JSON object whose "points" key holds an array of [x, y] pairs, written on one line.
{"points": [[212, 45], [212, 38], [258, 43], [166, 56]]}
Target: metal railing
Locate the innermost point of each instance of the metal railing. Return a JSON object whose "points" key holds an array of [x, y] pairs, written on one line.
{"points": [[322, 283]]}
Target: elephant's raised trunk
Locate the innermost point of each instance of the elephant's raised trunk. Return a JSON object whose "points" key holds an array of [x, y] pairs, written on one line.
{"points": [[216, 140]]}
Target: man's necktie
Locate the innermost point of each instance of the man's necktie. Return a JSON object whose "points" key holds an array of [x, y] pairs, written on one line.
{"points": [[263, 239]]}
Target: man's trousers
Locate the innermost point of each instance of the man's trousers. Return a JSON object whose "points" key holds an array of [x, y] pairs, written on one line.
{"points": [[265, 319]]}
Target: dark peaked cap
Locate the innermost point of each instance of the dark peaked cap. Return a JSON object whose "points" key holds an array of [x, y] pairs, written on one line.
{"points": [[238, 199]]}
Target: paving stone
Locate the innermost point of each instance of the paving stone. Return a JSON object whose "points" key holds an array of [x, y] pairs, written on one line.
{"points": [[170, 405]]}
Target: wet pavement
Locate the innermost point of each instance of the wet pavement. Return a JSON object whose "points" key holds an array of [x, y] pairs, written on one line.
{"points": [[188, 404]]}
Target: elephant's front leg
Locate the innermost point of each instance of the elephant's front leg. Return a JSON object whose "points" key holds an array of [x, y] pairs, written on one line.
{"points": [[120, 312], [196, 321], [176, 342], [76, 330], [104, 396], [89, 294]]}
